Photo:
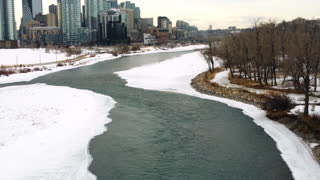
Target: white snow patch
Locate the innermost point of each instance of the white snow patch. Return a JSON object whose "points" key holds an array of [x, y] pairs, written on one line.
{"points": [[24, 77], [222, 79], [313, 110], [175, 75], [30, 56], [313, 145], [45, 131]]}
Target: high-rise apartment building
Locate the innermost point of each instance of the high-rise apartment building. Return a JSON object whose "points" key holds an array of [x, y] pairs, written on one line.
{"points": [[113, 3], [7, 20], [129, 15], [113, 31], [164, 23], [93, 9], [30, 8], [53, 9], [70, 15], [92, 12]]}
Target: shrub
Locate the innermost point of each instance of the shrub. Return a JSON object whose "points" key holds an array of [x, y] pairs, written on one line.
{"points": [[135, 47], [25, 70], [114, 53], [37, 69], [124, 49], [277, 103], [276, 115], [73, 51], [5, 72]]}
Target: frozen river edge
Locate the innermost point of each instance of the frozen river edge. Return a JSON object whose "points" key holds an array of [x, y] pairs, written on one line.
{"points": [[294, 151]]}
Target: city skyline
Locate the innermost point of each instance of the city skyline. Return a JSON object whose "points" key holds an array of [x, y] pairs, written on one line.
{"points": [[240, 13]]}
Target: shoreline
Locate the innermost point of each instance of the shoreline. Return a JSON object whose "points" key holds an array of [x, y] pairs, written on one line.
{"points": [[293, 150], [82, 60], [202, 84]]}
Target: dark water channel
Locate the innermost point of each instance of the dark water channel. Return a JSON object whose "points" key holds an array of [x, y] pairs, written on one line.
{"points": [[167, 136]]}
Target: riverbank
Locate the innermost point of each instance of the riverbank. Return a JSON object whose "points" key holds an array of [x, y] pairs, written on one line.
{"points": [[175, 75], [26, 71], [202, 83], [45, 131]]}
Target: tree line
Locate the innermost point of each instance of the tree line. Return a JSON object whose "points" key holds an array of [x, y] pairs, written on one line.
{"points": [[289, 51]]}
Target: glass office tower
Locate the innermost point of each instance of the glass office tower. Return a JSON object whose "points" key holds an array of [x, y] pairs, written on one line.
{"points": [[30, 8], [70, 17], [8, 29]]}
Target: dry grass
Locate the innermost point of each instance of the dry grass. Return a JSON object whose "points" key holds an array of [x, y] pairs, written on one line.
{"points": [[255, 85], [276, 115]]}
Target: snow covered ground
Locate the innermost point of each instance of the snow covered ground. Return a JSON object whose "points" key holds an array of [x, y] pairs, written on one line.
{"points": [[30, 56], [222, 79], [165, 76], [313, 110], [24, 77], [45, 131]]}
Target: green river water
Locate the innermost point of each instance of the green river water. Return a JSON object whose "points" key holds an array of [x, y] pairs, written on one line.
{"points": [[168, 136]]}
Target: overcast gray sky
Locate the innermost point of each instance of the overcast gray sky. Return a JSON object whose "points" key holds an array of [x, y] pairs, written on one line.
{"points": [[219, 13]]}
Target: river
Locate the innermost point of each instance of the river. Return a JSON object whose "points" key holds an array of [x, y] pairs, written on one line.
{"points": [[169, 136]]}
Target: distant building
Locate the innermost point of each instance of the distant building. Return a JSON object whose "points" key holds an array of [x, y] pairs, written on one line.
{"points": [[113, 3], [182, 25], [164, 23], [30, 8], [92, 12], [113, 30], [53, 9], [45, 35], [130, 19], [51, 20], [137, 13], [70, 17], [210, 27], [127, 5], [162, 35], [148, 39], [232, 28], [7, 20], [42, 19], [145, 24]]}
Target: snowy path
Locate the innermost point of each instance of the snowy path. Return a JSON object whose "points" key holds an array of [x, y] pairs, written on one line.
{"points": [[175, 75], [45, 131]]}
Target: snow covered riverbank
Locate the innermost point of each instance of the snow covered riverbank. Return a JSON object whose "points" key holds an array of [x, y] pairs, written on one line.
{"points": [[175, 75], [32, 57], [45, 131]]}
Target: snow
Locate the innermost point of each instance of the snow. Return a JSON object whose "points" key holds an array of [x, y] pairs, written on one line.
{"points": [[313, 145], [313, 110], [45, 131], [222, 79], [30, 56], [25, 77], [165, 76]]}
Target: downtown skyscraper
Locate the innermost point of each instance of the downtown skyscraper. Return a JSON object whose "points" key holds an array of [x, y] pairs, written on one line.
{"points": [[93, 10], [7, 20], [30, 8], [70, 17]]}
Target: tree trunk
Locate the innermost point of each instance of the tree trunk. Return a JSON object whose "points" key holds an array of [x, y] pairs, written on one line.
{"points": [[306, 94]]}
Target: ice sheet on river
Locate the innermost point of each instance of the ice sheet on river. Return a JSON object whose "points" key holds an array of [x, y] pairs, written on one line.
{"points": [[45, 131], [175, 75]]}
